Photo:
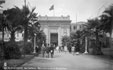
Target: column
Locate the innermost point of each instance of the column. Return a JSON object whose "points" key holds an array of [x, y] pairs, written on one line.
{"points": [[86, 45], [59, 35], [34, 51]]}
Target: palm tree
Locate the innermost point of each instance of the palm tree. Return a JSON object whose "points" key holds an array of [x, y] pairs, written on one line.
{"points": [[107, 21], [26, 16], [13, 22], [19, 19], [94, 26]]}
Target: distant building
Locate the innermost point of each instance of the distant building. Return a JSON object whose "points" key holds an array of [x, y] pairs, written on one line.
{"points": [[19, 36], [77, 26], [55, 28], [7, 35]]}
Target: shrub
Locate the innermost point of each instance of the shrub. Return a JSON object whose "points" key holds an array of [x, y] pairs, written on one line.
{"points": [[28, 48], [12, 51]]}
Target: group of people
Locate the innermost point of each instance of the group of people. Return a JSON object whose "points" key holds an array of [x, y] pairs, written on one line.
{"points": [[65, 49], [48, 50]]}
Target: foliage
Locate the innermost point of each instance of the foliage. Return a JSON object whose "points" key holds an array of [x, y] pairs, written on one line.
{"points": [[28, 48], [95, 26], [107, 19], [65, 40], [13, 20], [12, 51], [107, 22], [41, 38], [18, 19]]}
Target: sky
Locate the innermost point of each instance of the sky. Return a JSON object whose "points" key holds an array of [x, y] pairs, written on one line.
{"points": [[78, 10]]}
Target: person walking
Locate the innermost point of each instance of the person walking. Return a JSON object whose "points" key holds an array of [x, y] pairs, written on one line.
{"points": [[65, 49], [52, 50], [43, 50], [73, 50], [48, 50]]}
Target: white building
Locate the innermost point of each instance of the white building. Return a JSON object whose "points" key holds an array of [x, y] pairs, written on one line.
{"points": [[55, 28], [7, 36], [77, 26]]}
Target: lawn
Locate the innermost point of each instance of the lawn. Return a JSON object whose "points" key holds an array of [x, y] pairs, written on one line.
{"points": [[19, 62]]}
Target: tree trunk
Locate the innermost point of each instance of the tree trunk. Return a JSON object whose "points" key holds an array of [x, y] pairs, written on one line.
{"points": [[2, 47], [25, 37], [25, 34], [12, 37]]}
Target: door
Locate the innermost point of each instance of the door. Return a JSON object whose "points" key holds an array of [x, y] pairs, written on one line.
{"points": [[54, 38]]}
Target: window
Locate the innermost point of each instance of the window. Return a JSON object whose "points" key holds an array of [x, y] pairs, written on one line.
{"points": [[74, 27]]}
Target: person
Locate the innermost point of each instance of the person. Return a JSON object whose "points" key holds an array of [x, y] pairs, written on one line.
{"points": [[48, 50], [43, 50], [65, 49], [77, 47], [73, 50], [52, 50], [57, 48], [37, 49], [60, 48]]}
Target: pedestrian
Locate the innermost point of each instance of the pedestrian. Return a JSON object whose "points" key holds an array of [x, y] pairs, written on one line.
{"points": [[57, 48], [73, 50], [48, 50], [52, 50], [77, 47], [60, 48], [43, 50], [65, 48], [37, 49]]}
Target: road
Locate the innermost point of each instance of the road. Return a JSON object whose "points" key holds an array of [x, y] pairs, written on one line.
{"points": [[66, 61]]}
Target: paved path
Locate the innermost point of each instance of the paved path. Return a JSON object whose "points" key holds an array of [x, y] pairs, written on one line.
{"points": [[62, 61]]}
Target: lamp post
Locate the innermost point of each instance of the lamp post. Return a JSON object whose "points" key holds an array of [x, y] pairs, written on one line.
{"points": [[34, 51]]}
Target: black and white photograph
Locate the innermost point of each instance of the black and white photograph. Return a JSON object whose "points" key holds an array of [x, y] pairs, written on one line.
{"points": [[56, 34]]}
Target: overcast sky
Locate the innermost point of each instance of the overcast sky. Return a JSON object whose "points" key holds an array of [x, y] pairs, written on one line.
{"points": [[79, 10]]}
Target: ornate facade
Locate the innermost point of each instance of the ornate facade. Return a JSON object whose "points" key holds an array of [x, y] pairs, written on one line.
{"points": [[55, 28]]}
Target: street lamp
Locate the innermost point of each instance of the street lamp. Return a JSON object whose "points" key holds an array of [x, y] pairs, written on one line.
{"points": [[34, 51]]}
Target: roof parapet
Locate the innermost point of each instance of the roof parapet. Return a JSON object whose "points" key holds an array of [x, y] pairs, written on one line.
{"points": [[60, 18]]}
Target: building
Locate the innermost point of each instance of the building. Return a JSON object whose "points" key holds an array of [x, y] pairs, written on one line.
{"points": [[77, 26], [7, 36], [19, 36], [55, 28]]}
